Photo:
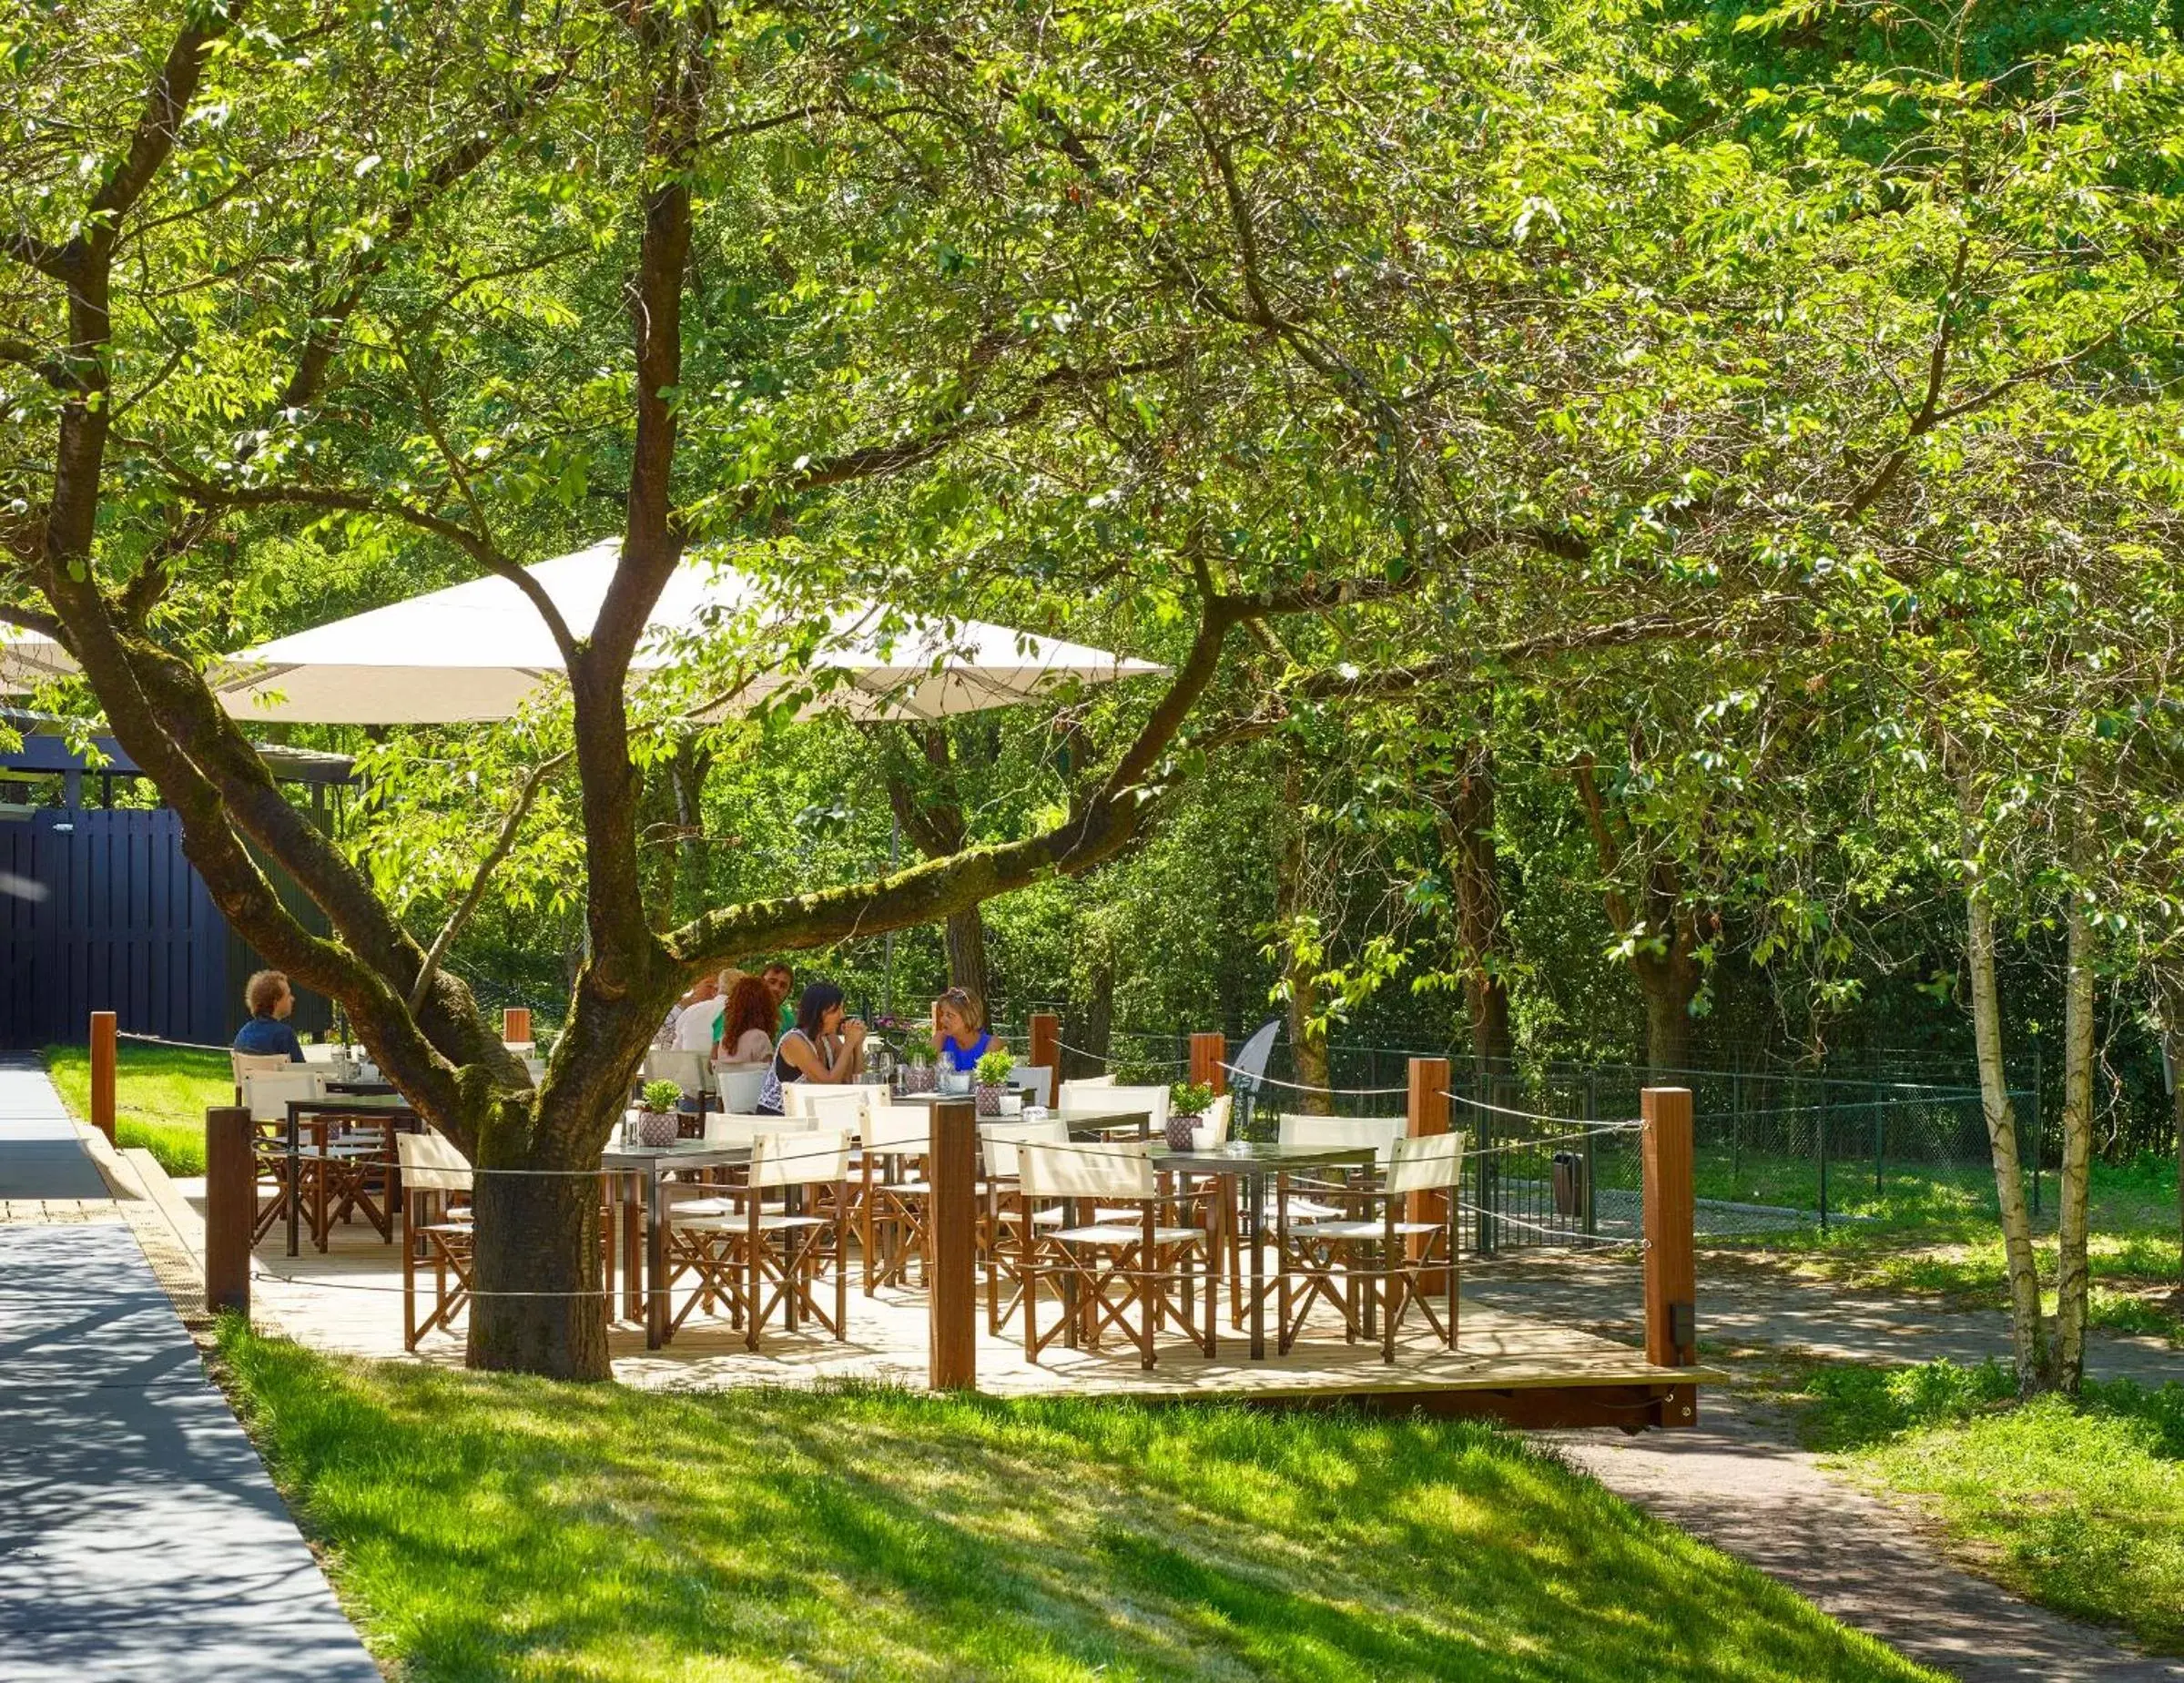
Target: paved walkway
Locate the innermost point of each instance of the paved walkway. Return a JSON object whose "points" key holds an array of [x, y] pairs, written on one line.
{"points": [[1739, 1482], [139, 1535]]}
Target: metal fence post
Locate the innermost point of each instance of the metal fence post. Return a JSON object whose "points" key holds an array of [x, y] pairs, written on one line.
{"points": [[1820, 1122], [1879, 1138], [1490, 1181], [1591, 1163]]}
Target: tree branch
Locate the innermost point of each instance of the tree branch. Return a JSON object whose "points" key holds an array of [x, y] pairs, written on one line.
{"points": [[474, 896]]}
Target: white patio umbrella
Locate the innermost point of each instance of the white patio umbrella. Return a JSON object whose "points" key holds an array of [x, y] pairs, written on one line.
{"points": [[477, 652], [29, 659]]}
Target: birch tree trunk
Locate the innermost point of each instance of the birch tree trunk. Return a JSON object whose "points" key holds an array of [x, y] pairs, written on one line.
{"points": [[2073, 1286], [2028, 1330]]}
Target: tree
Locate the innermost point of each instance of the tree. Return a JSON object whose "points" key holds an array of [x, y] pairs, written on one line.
{"points": [[426, 345]]}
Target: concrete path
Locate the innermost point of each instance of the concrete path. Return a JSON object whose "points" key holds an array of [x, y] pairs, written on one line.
{"points": [[139, 1535], [1739, 1482]]}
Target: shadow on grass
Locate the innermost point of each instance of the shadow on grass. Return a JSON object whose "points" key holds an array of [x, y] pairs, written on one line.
{"points": [[494, 1526]]}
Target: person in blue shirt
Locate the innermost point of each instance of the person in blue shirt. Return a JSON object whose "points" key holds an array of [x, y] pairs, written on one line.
{"points": [[268, 1034], [960, 1034]]}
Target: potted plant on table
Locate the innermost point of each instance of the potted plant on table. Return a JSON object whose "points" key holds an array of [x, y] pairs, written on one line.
{"points": [[657, 1121], [992, 1073], [1188, 1102]]}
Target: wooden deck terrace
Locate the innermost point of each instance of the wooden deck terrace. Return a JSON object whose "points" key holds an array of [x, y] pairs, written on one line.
{"points": [[1516, 1368]]}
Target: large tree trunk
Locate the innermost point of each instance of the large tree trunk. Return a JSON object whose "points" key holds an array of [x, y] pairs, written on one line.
{"points": [[1098, 1009], [2028, 1330], [1669, 982], [2073, 1202], [967, 954], [538, 1308], [1467, 814], [1307, 1037]]}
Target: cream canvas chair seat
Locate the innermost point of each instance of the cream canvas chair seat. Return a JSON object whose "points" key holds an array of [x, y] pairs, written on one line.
{"points": [[832, 1106], [766, 1259], [1371, 1266], [739, 1086], [1082, 1100], [895, 1191], [434, 1234], [1141, 1264]]}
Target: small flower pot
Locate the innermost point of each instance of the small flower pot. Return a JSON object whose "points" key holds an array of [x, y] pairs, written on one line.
{"points": [[1183, 1131], [657, 1127], [990, 1098], [917, 1078]]}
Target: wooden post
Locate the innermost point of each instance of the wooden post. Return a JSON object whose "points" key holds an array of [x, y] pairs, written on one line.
{"points": [[230, 1208], [102, 1073], [515, 1024], [1427, 1109], [951, 1260], [1045, 1049], [1671, 1275], [1208, 1053]]}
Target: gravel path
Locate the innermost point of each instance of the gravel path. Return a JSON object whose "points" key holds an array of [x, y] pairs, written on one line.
{"points": [[1739, 1482]]}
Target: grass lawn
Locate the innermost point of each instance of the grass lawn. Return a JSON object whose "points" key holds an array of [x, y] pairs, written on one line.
{"points": [[481, 1525], [2076, 1505], [160, 1096]]}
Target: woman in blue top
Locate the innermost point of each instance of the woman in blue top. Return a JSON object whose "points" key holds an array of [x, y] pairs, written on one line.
{"points": [[959, 1034]]}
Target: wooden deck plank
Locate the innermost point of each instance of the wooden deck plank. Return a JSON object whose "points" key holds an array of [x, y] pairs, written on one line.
{"points": [[350, 1300]]}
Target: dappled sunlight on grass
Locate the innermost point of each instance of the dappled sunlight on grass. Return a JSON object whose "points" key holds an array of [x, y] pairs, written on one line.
{"points": [[484, 1525]]}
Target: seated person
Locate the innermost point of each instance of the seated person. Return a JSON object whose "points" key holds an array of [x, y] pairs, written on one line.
{"points": [[747, 1025], [698, 1024], [960, 1034], [823, 1047], [268, 1034]]}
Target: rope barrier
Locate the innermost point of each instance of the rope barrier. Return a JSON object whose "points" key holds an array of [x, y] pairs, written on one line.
{"points": [[1302, 1087], [180, 1046], [1616, 1126], [1499, 1220]]}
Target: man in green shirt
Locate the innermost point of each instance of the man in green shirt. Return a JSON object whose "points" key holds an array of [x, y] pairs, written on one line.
{"points": [[780, 981]]}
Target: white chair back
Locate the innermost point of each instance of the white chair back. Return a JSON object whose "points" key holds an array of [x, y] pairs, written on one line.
{"points": [[1380, 1132], [1430, 1163], [430, 1163], [898, 1128], [829, 1106], [685, 1070], [1105, 1168], [999, 1140], [1101, 1100], [1039, 1078], [739, 1087], [247, 1064], [741, 1130], [803, 1158], [1083, 1084], [1214, 1131], [267, 1095], [319, 1052]]}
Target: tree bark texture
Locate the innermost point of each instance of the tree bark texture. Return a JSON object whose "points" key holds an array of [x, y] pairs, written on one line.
{"points": [[1464, 810], [2074, 1190], [1662, 928], [1307, 1037], [2028, 1327]]}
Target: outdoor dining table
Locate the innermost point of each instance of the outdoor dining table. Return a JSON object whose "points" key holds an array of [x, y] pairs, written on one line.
{"points": [[1254, 1163], [649, 1164], [389, 1107]]}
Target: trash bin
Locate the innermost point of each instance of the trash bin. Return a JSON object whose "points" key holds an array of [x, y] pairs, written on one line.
{"points": [[1569, 1183]]}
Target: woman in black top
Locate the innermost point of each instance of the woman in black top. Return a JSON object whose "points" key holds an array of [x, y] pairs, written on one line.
{"points": [[822, 1048]]}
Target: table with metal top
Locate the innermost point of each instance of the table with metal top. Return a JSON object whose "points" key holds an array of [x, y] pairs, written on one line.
{"points": [[1254, 1163], [390, 1107], [650, 1164]]}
